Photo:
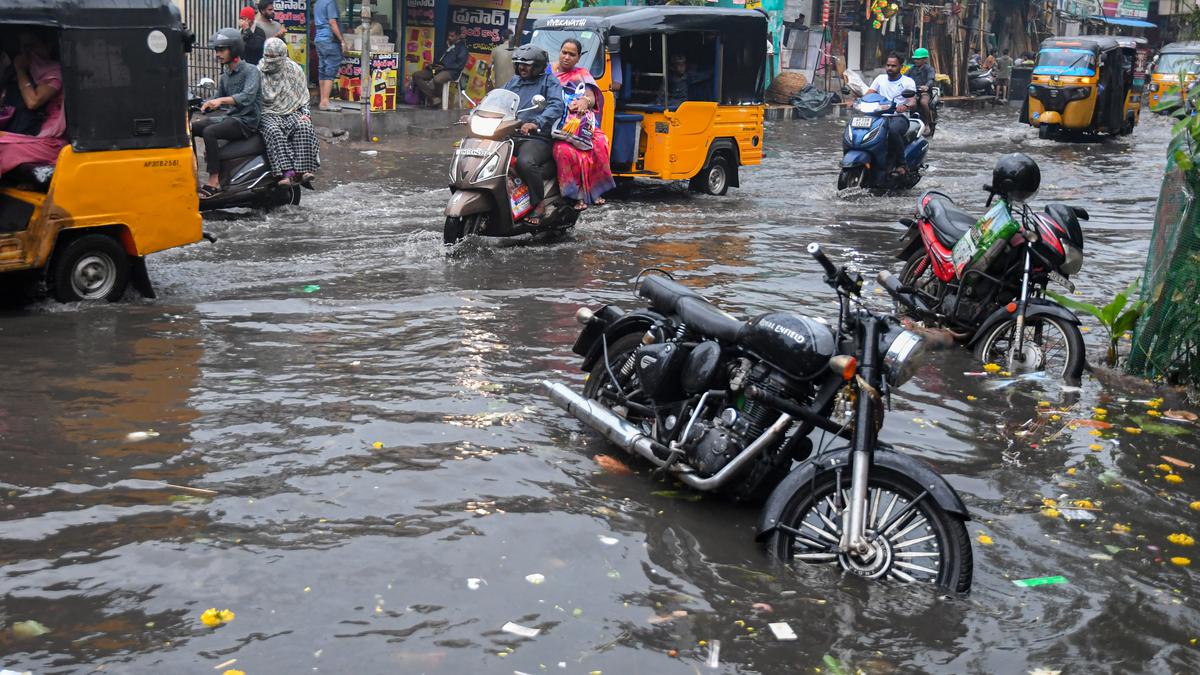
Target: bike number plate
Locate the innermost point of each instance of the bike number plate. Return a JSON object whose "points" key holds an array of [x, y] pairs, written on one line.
{"points": [[1062, 281], [861, 122]]}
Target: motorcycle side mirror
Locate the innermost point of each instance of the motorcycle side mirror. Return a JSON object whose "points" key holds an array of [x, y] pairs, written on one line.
{"points": [[908, 93], [205, 82], [538, 102]]}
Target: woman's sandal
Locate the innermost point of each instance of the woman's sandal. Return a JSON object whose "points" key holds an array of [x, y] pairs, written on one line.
{"points": [[600, 202], [580, 206], [208, 191], [306, 179]]}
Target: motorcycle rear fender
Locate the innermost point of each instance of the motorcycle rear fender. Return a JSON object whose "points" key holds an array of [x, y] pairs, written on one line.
{"points": [[854, 158], [1037, 307], [910, 242], [884, 458], [637, 321], [468, 203]]}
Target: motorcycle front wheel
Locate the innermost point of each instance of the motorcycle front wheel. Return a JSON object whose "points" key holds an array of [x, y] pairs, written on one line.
{"points": [[1049, 344], [851, 177], [457, 229], [913, 539]]}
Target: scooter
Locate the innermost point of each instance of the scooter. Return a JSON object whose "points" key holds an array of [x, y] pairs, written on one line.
{"points": [[246, 179], [865, 159], [981, 82], [487, 196]]}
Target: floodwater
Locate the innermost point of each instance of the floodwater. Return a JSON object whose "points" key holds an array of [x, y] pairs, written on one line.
{"points": [[385, 472]]}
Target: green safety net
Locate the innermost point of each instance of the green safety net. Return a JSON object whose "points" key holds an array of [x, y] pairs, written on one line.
{"points": [[1166, 341]]}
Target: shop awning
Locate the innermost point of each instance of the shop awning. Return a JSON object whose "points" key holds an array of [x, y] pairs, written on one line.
{"points": [[1123, 21]]}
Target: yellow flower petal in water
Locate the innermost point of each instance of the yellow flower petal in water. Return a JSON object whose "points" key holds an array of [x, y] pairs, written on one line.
{"points": [[985, 540], [1181, 539], [1049, 502], [1165, 468], [1095, 447], [991, 367], [1083, 504], [1043, 404], [1100, 411], [1195, 506], [213, 618], [1049, 512], [1071, 471], [1153, 413], [1055, 418], [1132, 430], [1174, 478], [1181, 561], [1121, 529], [234, 672], [1095, 432]]}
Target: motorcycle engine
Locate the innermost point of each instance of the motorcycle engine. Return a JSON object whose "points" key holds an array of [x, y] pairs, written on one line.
{"points": [[716, 440]]}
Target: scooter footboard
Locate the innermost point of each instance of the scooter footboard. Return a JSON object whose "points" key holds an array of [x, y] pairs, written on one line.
{"points": [[803, 476]]}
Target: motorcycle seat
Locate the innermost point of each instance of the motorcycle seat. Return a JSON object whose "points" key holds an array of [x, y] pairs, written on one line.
{"points": [[247, 147], [950, 223], [672, 297]]}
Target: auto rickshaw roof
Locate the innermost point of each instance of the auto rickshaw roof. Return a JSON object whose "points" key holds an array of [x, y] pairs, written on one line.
{"points": [[1190, 47], [624, 21], [1096, 43], [91, 13]]}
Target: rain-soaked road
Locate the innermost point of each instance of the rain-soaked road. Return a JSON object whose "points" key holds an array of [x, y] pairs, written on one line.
{"points": [[378, 442]]}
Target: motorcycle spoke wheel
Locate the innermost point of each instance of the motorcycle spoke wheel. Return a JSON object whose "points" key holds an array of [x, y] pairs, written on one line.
{"points": [[600, 384], [1046, 344], [912, 539]]}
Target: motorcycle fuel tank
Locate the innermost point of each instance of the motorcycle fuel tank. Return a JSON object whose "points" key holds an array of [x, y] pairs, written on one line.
{"points": [[797, 345]]}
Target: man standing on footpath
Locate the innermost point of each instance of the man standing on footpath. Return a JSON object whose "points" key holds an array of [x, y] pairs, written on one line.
{"points": [[253, 37], [1004, 66], [447, 68], [266, 20], [330, 47], [240, 89]]}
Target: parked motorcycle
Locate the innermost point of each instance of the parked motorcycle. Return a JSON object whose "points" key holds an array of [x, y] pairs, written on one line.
{"points": [[866, 161], [981, 82], [246, 178], [986, 279], [487, 196], [727, 405]]}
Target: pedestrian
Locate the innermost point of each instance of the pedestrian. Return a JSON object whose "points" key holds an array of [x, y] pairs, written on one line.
{"points": [[1004, 66], [583, 171], [240, 88], [38, 77], [446, 68], [266, 20], [253, 37], [990, 62], [286, 127], [331, 44]]}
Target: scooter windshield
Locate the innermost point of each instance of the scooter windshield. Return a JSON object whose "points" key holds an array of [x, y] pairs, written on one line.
{"points": [[872, 103], [493, 110]]}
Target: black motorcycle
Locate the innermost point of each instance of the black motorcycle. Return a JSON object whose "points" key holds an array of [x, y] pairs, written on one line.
{"points": [[728, 405], [980, 81], [246, 178]]}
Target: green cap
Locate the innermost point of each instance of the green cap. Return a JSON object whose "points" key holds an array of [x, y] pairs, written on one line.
{"points": [[921, 53]]}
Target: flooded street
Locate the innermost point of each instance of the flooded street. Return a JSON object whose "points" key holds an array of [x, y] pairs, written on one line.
{"points": [[386, 473]]}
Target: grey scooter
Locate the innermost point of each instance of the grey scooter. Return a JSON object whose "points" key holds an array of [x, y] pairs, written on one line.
{"points": [[487, 197]]}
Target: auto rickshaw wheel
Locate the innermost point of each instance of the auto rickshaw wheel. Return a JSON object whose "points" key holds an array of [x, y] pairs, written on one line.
{"points": [[713, 179], [93, 267]]}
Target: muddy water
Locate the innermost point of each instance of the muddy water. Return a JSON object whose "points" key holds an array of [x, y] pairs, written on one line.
{"points": [[386, 474]]}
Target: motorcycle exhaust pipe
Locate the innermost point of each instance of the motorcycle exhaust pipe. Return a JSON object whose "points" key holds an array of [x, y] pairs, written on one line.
{"points": [[632, 440]]}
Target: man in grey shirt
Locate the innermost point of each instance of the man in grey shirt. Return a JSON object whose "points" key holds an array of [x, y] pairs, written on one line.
{"points": [[266, 20], [240, 89]]}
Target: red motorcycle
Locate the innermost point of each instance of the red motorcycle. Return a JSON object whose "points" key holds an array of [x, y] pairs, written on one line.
{"points": [[985, 280]]}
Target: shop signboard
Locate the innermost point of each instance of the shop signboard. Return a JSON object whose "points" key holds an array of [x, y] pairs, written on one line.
{"points": [[293, 15], [417, 41], [481, 24], [1136, 9], [383, 89]]}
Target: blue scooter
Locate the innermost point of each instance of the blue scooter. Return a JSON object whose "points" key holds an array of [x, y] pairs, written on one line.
{"points": [[865, 160]]}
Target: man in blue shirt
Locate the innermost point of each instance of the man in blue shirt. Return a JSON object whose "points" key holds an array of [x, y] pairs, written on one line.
{"points": [[447, 68], [535, 156], [330, 46]]}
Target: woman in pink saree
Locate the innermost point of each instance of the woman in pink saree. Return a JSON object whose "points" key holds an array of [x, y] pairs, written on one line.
{"points": [[39, 78], [583, 175]]}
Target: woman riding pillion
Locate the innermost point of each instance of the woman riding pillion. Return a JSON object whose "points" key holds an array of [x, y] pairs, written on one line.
{"points": [[582, 157], [535, 160], [287, 130]]}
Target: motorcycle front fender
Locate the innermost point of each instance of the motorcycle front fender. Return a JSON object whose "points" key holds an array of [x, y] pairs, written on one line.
{"points": [[639, 321], [468, 203], [1036, 307], [853, 158], [885, 458]]}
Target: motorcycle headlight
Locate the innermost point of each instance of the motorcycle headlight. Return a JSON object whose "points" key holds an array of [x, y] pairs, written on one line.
{"points": [[488, 170], [902, 356], [873, 134]]}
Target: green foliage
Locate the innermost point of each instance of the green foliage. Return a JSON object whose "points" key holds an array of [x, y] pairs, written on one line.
{"points": [[1117, 317]]}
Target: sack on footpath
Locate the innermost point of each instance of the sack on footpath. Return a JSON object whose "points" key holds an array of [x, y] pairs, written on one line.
{"points": [[811, 102]]}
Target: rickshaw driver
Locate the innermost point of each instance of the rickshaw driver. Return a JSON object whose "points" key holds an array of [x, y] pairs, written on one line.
{"points": [[535, 151], [240, 88]]}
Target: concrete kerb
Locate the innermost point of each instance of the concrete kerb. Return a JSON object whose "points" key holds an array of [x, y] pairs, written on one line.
{"points": [[389, 124]]}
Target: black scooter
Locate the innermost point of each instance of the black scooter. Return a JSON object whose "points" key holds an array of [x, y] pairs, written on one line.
{"points": [[981, 82], [246, 179]]}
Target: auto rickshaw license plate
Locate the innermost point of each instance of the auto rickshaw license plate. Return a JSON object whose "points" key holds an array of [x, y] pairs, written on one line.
{"points": [[861, 123]]}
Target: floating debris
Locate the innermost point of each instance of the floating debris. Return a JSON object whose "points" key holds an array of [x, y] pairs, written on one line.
{"points": [[782, 631], [135, 436], [613, 465], [24, 630], [518, 629], [1040, 581], [213, 618], [535, 578]]}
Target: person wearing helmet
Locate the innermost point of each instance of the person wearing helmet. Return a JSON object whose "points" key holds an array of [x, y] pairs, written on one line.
{"points": [[535, 152], [923, 75], [447, 68], [240, 89], [1016, 177]]}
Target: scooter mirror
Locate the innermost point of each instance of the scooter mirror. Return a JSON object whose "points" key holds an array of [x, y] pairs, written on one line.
{"points": [[206, 82], [908, 93], [538, 101]]}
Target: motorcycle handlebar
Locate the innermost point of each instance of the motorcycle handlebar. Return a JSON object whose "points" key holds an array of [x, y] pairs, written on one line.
{"points": [[814, 249], [892, 285]]}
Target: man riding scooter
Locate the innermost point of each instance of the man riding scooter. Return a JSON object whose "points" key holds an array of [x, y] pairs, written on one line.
{"points": [[240, 89], [924, 76], [892, 85], [535, 156]]}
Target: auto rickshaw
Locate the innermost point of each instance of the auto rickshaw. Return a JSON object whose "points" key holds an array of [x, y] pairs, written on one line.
{"points": [[1175, 58], [703, 137], [1086, 84], [125, 185]]}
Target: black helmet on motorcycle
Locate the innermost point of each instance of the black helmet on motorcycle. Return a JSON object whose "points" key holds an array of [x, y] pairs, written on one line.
{"points": [[228, 38], [1016, 177], [532, 55]]}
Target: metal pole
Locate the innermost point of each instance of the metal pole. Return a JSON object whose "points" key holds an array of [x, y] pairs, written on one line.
{"points": [[365, 84]]}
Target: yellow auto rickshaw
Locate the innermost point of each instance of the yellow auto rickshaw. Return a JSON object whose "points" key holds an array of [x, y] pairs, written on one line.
{"points": [[682, 87], [1175, 58], [1086, 84], [124, 186]]}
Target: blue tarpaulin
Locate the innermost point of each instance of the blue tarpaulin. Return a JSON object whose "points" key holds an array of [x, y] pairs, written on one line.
{"points": [[1122, 21]]}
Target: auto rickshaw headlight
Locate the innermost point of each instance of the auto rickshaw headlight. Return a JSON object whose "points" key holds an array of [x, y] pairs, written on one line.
{"points": [[1153, 86], [1032, 89]]}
